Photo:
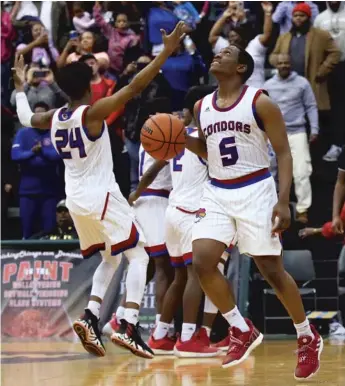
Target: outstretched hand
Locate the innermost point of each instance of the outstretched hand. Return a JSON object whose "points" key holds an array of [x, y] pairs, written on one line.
{"points": [[19, 71], [172, 41]]}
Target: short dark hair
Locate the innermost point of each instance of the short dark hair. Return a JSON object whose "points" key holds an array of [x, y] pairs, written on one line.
{"points": [[86, 57], [74, 79], [43, 105], [245, 58], [196, 93]]}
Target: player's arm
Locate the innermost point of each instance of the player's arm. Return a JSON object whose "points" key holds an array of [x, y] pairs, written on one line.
{"points": [[197, 145], [26, 117], [274, 125], [146, 180], [104, 107], [339, 196]]}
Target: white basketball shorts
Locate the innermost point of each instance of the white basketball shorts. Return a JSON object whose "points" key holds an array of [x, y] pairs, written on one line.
{"points": [[114, 228], [178, 235], [150, 213], [241, 207]]}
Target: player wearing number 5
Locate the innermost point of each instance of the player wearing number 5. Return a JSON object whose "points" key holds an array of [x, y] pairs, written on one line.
{"points": [[103, 219], [241, 198]]}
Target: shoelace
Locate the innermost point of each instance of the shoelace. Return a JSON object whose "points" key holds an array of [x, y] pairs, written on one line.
{"points": [[306, 350]]}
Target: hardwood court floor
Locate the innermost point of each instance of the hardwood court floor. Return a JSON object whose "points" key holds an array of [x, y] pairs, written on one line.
{"points": [[67, 364]]}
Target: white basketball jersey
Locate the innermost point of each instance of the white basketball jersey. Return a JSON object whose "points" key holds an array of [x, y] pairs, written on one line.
{"points": [[88, 161], [236, 145], [188, 172], [163, 179]]}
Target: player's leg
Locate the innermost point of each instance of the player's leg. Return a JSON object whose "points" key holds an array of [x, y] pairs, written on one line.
{"points": [[115, 321]]}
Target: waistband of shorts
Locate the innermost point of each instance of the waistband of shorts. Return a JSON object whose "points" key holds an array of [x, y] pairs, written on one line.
{"points": [[155, 192], [243, 181], [186, 211]]}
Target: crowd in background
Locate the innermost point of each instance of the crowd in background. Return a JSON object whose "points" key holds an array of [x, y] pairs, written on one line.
{"points": [[298, 50]]}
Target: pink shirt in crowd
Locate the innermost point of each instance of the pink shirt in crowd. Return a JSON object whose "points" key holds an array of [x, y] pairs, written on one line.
{"points": [[7, 34]]}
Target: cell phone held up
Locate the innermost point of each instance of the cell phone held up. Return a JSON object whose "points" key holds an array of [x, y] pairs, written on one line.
{"points": [[73, 34], [40, 73]]}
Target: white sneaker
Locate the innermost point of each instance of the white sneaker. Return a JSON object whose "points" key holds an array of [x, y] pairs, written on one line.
{"points": [[332, 154], [336, 329]]}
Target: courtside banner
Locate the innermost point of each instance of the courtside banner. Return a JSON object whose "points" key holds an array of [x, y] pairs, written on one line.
{"points": [[43, 292]]}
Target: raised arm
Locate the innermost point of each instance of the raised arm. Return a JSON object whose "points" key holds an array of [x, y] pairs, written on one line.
{"points": [[274, 126], [104, 107], [26, 116], [197, 145], [146, 180], [268, 24], [217, 28]]}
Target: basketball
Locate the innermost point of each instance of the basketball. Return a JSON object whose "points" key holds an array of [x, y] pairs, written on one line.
{"points": [[163, 136]]}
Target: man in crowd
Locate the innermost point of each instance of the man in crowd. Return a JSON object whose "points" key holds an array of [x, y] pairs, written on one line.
{"points": [[333, 21], [64, 229], [39, 182], [296, 99]]}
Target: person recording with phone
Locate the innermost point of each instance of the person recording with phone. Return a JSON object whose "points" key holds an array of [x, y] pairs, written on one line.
{"points": [[41, 86]]}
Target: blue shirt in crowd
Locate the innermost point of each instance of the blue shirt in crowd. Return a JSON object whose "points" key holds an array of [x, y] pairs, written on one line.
{"points": [[39, 170], [159, 18]]}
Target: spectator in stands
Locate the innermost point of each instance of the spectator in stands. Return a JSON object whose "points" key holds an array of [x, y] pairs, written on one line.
{"points": [[136, 111], [64, 229], [257, 47], [7, 36], [41, 49], [75, 48], [39, 161], [313, 53], [283, 14], [82, 20], [183, 70], [186, 12], [41, 86], [296, 99], [212, 10], [120, 38], [333, 21], [100, 86], [159, 17]]}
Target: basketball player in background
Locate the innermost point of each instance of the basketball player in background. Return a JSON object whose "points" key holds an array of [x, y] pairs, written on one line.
{"points": [[188, 173], [102, 217], [241, 198], [150, 211]]}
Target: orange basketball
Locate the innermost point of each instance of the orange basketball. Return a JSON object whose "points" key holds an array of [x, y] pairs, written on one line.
{"points": [[163, 136]]}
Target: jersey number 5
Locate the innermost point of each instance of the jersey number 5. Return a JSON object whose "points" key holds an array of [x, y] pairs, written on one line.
{"points": [[74, 140], [228, 151]]}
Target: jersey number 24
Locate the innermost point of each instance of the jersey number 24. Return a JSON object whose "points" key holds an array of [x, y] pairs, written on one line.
{"points": [[73, 139]]}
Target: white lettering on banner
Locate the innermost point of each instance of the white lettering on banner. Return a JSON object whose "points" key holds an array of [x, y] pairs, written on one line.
{"points": [[35, 254]]}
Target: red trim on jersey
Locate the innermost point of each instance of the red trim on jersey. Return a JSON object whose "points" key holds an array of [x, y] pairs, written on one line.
{"points": [[241, 180], [131, 242], [92, 250], [105, 206], [176, 261], [84, 116], [199, 111], [256, 115], [223, 109], [186, 211], [187, 258], [157, 250]]}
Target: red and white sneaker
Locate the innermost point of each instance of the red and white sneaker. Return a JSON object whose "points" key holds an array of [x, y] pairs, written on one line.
{"points": [[309, 352], [111, 327], [194, 348], [223, 345], [204, 337], [241, 344], [164, 346]]}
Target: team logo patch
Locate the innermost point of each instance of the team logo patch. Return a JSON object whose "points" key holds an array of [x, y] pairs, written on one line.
{"points": [[200, 214]]}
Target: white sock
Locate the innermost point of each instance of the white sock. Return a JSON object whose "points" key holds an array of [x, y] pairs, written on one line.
{"points": [[188, 330], [303, 329], [120, 313], [158, 317], [161, 330], [235, 319], [136, 275], [208, 330], [94, 307], [131, 315]]}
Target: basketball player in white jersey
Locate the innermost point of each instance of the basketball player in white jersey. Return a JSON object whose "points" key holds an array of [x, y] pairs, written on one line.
{"points": [[241, 197], [101, 215]]}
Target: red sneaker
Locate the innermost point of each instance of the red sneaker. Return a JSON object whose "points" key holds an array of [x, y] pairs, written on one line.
{"points": [[194, 348], [111, 327], [202, 334], [241, 344], [164, 346], [223, 345], [309, 352]]}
